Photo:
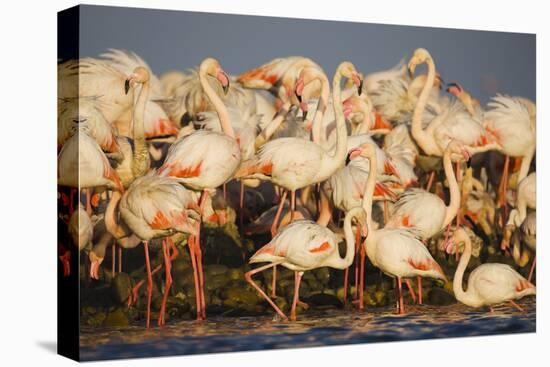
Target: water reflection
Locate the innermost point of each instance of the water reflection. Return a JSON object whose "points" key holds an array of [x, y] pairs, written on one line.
{"points": [[314, 328]]}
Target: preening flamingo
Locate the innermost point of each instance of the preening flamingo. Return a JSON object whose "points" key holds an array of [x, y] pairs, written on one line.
{"points": [[204, 159], [156, 207], [395, 251], [305, 245], [488, 284]]}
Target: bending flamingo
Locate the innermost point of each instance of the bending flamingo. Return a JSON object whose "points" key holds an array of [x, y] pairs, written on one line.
{"points": [[488, 284], [304, 245]]}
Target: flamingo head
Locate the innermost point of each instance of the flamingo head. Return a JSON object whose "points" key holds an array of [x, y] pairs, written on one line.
{"points": [[439, 82], [457, 148], [347, 70], [140, 75], [212, 67], [361, 218], [455, 89], [95, 261], [366, 150], [420, 56]]}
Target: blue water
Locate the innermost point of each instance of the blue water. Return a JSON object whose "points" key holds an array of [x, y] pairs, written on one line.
{"points": [[313, 328]]}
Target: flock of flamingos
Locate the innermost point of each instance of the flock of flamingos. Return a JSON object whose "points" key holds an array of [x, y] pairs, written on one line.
{"points": [[330, 149]]}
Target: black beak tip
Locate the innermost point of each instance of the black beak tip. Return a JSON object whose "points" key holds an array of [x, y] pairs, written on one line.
{"points": [[304, 116], [126, 86], [360, 87], [348, 159], [299, 97], [226, 89]]}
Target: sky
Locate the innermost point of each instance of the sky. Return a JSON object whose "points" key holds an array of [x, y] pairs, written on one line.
{"points": [[484, 62]]}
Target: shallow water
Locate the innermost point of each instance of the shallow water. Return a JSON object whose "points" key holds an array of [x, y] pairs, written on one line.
{"points": [[313, 328]]}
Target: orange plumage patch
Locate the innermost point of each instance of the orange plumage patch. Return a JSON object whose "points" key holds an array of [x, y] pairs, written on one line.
{"points": [[95, 200], [111, 174], [405, 221], [389, 169], [523, 285], [183, 172], [323, 247], [517, 164], [160, 221], [163, 127], [380, 122], [111, 148]]}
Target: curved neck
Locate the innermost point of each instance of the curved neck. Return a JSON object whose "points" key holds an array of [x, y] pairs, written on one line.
{"points": [[343, 263], [218, 104], [140, 161], [460, 236], [417, 84], [110, 216], [317, 130], [272, 126], [333, 162], [454, 190], [420, 135], [369, 192]]}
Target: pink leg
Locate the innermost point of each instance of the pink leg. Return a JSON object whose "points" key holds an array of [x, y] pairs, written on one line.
{"points": [[168, 269], [88, 201], [198, 254], [248, 277], [149, 281], [292, 205], [362, 279], [297, 280], [430, 181], [491, 309], [119, 259], [113, 258], [532, 269], [519, 308], [132, 298], [274, 282], [191, 245], [278, 214], [419, 279], [241, 206], [400, 290], [386, 210], [346, 275], [411, 290]]}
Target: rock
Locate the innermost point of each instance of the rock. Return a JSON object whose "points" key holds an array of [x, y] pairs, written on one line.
{"points": [[116, 318], [440, 297], [215, 269], [236, 296], [121, 287], [215, 282], [95, 319], [235, 274], [323, 299], [323, 275]]}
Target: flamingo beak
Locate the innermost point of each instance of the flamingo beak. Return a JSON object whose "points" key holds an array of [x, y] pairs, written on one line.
{"points": [[358, 81], [352, 154], [126, 86], [224, 81], [454, 89], [412, 68], [299, 89]]}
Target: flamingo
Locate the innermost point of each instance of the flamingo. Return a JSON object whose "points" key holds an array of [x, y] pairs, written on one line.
{"points": [[205, 159], [526, 198], [395, 251], [488, 284], [278, 76], [304, 245], [527, 234], [85, 111], [295, 163], [93, 77], [156, 207]]}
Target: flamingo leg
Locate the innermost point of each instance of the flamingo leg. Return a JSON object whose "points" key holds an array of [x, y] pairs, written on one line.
{"points": [[532, 269], [362, 279], [346, 276], [275, 223], [88, 201], [297, 281], [198, 254], [168, 270], [132, 298], [519, 308], [248, 276], [430, 181], [400, 291], [292, 205], [357, 263], [119, 259], [411, 290], [419, 280], [502, 187], [274, 283], [113, 258], [241, 207], [386, 211], [191, 245], [224, 191], [149, 281]]}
